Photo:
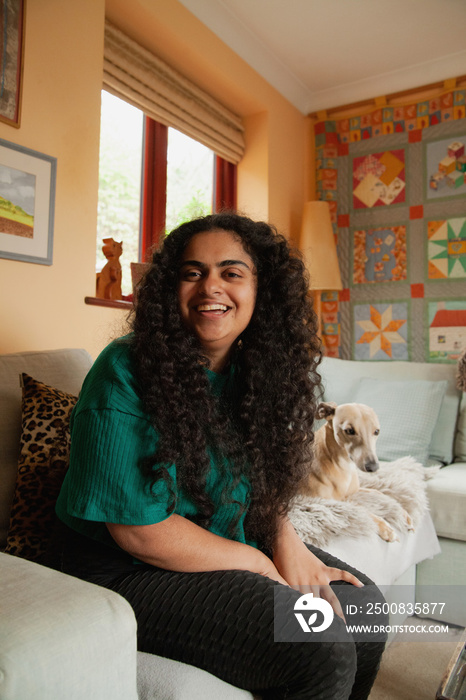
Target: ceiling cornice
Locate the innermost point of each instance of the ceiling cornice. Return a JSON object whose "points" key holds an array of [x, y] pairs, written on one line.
{"points": [[240, 38], [409, 78]]}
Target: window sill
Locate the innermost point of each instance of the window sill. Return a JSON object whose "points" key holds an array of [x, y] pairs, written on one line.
{"points": [[110, 303]]}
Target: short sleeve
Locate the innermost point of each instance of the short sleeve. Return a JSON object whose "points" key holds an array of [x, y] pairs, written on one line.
{"points": [[105, 481]]}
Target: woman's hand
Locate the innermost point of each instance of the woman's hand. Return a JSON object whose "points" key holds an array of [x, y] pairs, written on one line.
{"points": [[270, 570], [303, 570]]}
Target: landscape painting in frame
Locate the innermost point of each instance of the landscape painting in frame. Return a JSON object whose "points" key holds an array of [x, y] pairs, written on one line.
{"points": [[447, 330], [445, 168], [27, 197]]}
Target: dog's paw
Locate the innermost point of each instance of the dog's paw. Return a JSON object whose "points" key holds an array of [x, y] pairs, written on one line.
{"points": [[408, 521], [386, 532]]}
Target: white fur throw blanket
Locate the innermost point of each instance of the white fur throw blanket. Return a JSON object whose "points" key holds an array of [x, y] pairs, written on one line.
{"points": [[400, 486]]}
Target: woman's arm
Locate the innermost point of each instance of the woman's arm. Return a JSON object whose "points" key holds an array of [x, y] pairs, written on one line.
{"points": [[177, 544]]}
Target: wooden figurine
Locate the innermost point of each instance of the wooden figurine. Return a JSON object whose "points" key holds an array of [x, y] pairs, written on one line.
{"points": [[108, 281]]}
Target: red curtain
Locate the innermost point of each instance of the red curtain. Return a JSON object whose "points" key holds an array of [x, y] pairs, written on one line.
{"points": [[154, 200], [225, 185]]}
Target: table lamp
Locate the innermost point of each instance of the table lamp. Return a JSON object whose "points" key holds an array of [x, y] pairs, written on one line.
{"points": [[317, 243]]}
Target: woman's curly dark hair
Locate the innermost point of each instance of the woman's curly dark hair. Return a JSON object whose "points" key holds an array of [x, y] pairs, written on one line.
{"points": [[267, 431]]}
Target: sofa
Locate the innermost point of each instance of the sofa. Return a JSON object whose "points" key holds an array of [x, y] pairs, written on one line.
{"points": [[422, 413], [62, 637]]}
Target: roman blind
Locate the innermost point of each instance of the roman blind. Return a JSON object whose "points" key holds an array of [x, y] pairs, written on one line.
{"points": [[136, 75]]}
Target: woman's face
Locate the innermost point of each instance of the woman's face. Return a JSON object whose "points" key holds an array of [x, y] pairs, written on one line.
{"points": [[216, 292]]}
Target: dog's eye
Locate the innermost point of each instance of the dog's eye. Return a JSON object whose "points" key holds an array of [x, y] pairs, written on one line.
{"points": [[350, 431], [376, 432]]}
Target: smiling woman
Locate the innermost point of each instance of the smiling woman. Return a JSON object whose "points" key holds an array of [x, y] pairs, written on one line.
{"points": [[217, 292], [189, 441]]}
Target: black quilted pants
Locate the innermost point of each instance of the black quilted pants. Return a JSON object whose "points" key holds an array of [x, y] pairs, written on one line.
{"points": [[223, 622]]}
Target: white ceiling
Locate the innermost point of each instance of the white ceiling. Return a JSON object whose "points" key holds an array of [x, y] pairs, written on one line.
{"points": [[326, 53]]}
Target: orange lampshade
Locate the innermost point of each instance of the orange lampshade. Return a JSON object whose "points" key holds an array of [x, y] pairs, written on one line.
{"points": [[317, 242]]}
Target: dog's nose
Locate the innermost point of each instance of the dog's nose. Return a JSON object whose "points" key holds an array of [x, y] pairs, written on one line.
{"points": [[371, 466]]}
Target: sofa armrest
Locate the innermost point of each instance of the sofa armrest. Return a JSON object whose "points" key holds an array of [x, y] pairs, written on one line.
{"points": [[61, 637]]}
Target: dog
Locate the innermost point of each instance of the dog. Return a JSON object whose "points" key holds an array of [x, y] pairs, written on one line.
{"points": [[344, 445]]}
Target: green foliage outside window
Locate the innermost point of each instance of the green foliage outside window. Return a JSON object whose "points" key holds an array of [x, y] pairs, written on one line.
{"points": [[189, 181]]}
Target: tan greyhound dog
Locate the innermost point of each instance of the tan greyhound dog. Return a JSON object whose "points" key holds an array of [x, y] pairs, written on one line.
{"points": [[343, 445]]}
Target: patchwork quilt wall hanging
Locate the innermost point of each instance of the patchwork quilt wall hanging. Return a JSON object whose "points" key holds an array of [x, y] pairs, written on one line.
{"points": [[396, 183]]}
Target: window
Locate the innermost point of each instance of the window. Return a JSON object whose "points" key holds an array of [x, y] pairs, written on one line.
{"points": [[190, 179], [120, 165], [151, 179]]}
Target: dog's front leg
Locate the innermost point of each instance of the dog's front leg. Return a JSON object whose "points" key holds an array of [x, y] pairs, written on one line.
{"points": [[408, 519]]}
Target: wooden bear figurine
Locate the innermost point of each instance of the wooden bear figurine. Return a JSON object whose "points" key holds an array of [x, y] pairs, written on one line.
{"points": [[108, 281]]}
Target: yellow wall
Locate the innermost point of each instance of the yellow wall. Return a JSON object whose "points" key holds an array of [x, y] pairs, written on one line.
{"points": [[42, 307]]}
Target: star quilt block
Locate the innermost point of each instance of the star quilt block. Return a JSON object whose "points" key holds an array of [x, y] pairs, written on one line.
{"points": [[446, 248], [381, 331]]}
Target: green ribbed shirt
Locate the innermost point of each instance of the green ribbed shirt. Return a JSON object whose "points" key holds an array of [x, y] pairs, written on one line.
{"points": [[110, 434]]}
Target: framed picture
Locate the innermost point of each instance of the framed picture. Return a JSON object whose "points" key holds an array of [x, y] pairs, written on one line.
{"points": [[11, 65], [27, 201]]}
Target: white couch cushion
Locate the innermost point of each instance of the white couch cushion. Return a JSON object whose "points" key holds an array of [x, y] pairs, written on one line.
{"points": [[165, 679], [447, 498], [384, 562], [61, 637], [407, 411]]}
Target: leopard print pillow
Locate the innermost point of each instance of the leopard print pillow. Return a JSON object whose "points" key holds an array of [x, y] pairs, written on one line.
{"points": [[42, 465]]}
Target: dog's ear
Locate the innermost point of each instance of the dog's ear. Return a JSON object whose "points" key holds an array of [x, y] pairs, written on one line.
{"points": [[326, 410]]}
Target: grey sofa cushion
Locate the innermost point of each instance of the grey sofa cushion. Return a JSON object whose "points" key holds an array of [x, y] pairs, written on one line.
{"points": [[62, 369], [165, 679], [447, 498], [61, 637]]}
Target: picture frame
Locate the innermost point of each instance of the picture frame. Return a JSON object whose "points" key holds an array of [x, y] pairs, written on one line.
{"points": [[27, 204], [12, 13]]}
